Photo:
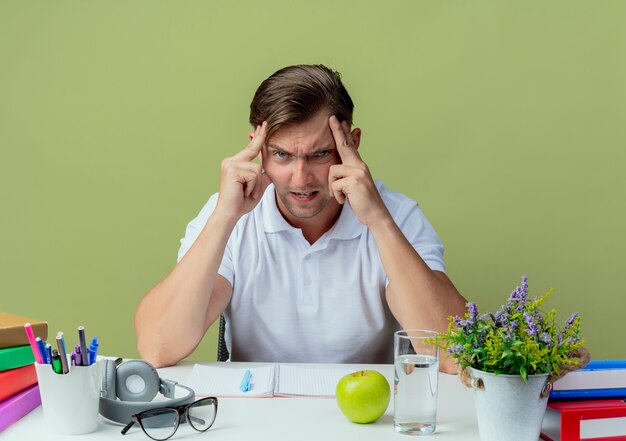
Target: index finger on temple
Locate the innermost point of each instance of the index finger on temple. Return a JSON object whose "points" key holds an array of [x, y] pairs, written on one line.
{"points": [[343, 141], [252, 150]]}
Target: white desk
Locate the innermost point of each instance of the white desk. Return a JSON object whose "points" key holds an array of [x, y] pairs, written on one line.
{"points": [[278, 419]]}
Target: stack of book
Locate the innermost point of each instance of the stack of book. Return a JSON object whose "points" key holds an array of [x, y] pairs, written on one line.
{"points": [[19, 392], [588, 404]]}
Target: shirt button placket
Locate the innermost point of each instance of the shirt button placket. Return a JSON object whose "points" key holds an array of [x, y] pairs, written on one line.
{"points": [[308, 298]]}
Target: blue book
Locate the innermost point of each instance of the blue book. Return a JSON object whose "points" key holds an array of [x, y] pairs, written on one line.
{"points": [[600, 379]]}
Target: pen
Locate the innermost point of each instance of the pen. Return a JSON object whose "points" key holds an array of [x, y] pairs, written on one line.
{"points": [[33, 344], [83, 346], [41, 347], [48, 353], [78, 356], [245, 382], [62, 353], [93, 350], [56, 362]]}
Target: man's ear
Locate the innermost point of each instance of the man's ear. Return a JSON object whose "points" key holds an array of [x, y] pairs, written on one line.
{"points": [[356, 137]]}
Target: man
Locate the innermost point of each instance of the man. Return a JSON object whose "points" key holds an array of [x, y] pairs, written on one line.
{"points": [[309, 259]]}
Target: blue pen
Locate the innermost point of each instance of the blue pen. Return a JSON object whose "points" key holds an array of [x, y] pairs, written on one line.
{"points": [[48, 353], [245, 382], [41, 346], [93, 350]]}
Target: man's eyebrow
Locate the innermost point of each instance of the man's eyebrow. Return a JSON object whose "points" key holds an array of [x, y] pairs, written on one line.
{"points": [[322, 149], [276, 147], [314, 152]]}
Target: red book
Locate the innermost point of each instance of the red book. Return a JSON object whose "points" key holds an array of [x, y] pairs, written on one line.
{"points": [[593, 420], [16, 380]]}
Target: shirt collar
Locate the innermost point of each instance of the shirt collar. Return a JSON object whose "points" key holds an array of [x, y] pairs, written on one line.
{"points": [[346, 227]]}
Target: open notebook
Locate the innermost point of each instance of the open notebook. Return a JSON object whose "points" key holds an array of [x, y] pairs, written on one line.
{"points": [[267, 381]]}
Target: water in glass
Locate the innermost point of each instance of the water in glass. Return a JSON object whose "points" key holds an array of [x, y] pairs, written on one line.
{"points": [[415, 399]]}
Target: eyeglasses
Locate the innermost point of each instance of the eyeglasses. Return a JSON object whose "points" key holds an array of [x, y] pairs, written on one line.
{"points": [[161, 423]]}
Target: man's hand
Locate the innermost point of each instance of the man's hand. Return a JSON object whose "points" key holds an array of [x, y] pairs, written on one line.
{"points": [[243, 182], [352, 178]]}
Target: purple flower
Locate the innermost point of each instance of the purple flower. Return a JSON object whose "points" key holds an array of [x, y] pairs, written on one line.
{"points": [[502, 317], [545, 337], [455, 350], [570, 322], [473, 313], [460, 323], [518, 296], [532, 327], [510, 329], [559, 339], [571, 319], [498, 315]]}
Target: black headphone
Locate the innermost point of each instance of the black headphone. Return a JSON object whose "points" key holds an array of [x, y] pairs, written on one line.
{"points": [[129, 388]]}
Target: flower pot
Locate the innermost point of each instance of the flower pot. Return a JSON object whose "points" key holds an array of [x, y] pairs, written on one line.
{"points": [[509, 408]]}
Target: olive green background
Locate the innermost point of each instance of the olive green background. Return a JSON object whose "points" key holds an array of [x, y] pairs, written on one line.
{"points": [[504, 119]]}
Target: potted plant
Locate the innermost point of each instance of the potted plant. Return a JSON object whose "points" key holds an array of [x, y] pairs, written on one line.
{"points": [[510, 358]]}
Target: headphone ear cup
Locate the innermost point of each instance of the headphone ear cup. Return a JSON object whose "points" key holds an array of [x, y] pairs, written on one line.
{"points": [[108, 380], [137, 380]]}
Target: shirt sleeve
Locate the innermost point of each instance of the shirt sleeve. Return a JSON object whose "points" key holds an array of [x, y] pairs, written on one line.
{"points": [[421, 234], [416, 228], [193, 231]]}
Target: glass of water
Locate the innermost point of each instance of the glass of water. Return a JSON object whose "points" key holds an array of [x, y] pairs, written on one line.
{"points": [[416, 381]]}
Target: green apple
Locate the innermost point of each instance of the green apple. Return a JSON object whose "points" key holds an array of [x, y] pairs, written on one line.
{"points": [[363, 396]]}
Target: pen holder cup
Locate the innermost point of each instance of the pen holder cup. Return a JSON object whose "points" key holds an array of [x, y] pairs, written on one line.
{"points": [[70, 402]]}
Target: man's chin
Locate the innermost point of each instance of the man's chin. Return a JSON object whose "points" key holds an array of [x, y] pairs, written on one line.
{"points": [[301, 213]]}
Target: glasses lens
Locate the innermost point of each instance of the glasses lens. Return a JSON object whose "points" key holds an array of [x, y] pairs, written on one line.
{"points": [[159, 424], [202, 413]]}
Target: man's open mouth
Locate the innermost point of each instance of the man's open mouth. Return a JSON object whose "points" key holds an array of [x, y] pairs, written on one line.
{"points": [[304, 195]]}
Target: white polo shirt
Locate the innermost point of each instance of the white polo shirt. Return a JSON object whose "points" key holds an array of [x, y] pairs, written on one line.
{"points": [[297, 302]]}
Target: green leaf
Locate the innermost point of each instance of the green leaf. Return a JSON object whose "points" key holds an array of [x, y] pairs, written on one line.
{"points": [[523, 372]]}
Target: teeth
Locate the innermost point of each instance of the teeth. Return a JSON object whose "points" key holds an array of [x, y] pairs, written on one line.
{"points": [[304, 195]]}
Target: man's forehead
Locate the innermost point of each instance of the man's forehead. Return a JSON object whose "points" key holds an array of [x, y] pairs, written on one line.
{"points": [[310, 135]]}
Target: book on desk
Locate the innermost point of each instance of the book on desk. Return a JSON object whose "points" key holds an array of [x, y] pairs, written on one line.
{"points": [[19, 393], [588, 404], [599, 379]]}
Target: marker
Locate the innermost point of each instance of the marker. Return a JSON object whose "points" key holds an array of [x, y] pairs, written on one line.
{"points": [[41, 347], [77, 356], [245, 382], [56, 362], [83, 345], [33, 344], [93, 350], [62, 353], [48, 353]]}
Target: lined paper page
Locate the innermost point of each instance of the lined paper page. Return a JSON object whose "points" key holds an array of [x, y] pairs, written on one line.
{"points": [[309, 381], [225, 381]]}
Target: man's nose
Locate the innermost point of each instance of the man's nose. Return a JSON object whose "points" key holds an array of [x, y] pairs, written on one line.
{"points": [[301, 173]]}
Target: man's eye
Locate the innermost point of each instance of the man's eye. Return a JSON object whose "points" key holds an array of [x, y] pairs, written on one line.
{"points": [[322, 157], [281, 155]]}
